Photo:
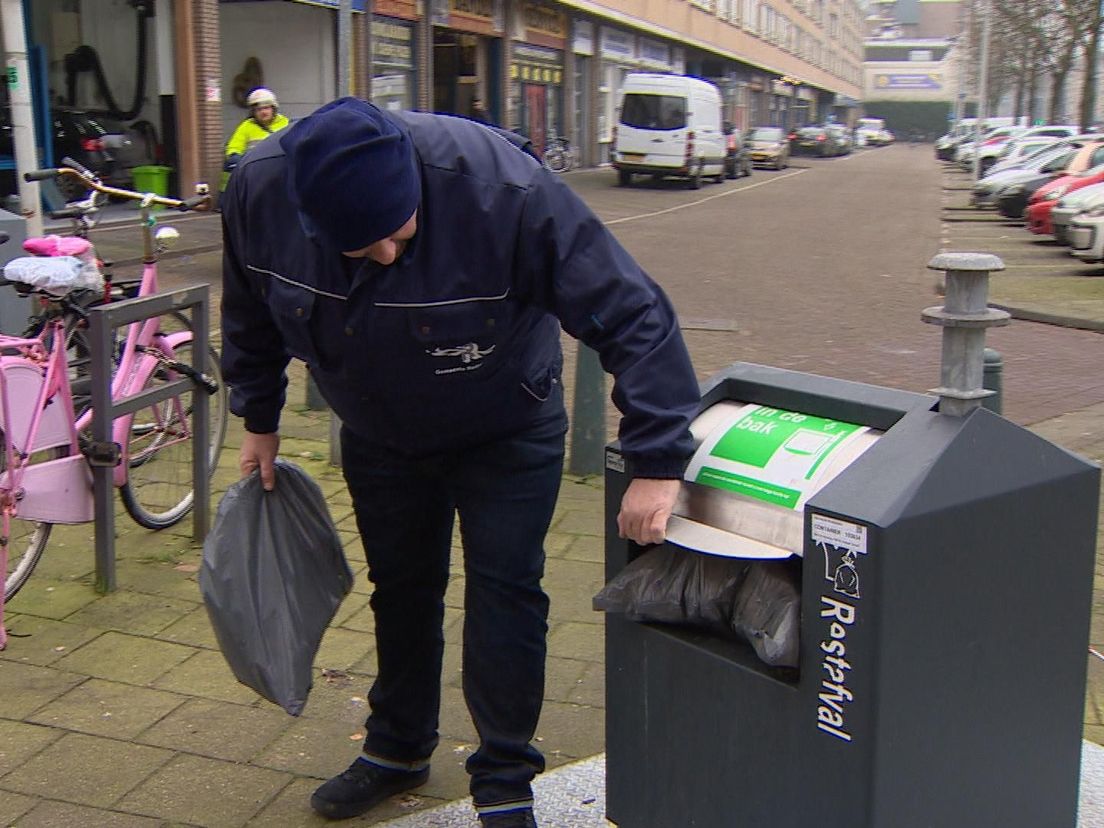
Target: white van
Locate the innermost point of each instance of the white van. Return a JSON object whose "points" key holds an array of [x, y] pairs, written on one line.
{"points": [[670, 125]]}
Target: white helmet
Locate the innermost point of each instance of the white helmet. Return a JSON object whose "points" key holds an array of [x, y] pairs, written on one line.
{"points": [[261, 97]]}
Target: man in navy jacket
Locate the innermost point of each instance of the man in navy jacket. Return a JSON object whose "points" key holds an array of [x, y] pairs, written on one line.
{"points": [[422, 266]]}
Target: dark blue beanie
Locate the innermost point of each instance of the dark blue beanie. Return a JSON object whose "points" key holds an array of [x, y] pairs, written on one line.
{"points": [[352, 173]]}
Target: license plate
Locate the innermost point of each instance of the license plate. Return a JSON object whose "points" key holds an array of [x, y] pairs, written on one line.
{"points": [[632, 156]]}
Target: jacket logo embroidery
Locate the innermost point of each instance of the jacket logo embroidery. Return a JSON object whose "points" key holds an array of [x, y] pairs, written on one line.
{"points": [[469, 354]]}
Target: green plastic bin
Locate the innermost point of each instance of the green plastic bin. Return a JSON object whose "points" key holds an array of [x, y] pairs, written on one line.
{"points": [[152, 179]]}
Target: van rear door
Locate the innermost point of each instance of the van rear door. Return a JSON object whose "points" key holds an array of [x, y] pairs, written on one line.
{"points": [[652, 129]]}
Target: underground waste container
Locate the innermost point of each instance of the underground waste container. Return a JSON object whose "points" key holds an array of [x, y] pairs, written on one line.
{"points": [[945, 575]]}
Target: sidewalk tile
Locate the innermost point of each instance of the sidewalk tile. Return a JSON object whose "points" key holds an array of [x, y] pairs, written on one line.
{"points": [[46, 597], [208, 792], [341, 648], [132, 612], [339, 696], [26, 687], [13, 806], [19, 742], [126, 658], [57, 814], [587, 548], [456, 723], [314, 747], [206, 674], [43, 641], [107, 708], [87, 770], [572, 639], [578, 731], [218, 730], [172, 579], [193, 629], [562, 678]]}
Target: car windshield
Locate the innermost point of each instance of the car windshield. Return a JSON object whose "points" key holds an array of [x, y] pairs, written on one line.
{"points": [[765, 134], [653, 111]]}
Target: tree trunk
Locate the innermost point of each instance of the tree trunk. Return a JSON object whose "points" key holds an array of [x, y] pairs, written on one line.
{"points": [[1088, 92]]}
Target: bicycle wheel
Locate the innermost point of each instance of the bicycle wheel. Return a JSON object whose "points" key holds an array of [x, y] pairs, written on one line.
{"points": [[27, 538], [158, 491], [555, 158]]}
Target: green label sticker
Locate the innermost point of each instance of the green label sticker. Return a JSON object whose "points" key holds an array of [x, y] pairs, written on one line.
{"points": [[771, 454], [13, 76], [758, 436]]}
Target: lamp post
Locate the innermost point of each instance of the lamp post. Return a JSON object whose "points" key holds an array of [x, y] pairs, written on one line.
{"points": [[983, 87]]}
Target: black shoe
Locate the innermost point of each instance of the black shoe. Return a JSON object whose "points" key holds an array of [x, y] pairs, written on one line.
{"points": [[362, 787], [521, 818]]}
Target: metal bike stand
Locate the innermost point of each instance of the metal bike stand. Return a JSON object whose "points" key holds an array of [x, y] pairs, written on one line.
{"points": [[103, 320]]}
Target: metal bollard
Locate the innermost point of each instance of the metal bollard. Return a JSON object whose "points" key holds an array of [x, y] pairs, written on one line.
{"points": [[588, 415], [964, 317], [314, 401], [994, 367]]}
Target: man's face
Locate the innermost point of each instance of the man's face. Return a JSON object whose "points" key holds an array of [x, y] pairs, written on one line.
{"points": [[387, 251], [264, 114]]}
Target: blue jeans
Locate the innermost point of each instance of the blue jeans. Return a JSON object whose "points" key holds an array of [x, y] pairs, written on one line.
{"points": [[504, 493]]}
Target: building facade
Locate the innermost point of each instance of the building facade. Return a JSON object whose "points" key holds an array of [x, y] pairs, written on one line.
{"points": [[541, 67]]}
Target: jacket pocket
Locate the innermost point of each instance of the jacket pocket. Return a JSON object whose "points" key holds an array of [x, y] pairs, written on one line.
{"points": [[292, 309]]}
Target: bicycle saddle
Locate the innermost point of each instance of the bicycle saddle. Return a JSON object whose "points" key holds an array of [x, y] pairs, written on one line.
{"points": [[57, 245]]}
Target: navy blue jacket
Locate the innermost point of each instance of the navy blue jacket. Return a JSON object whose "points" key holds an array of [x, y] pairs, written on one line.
{"points": [[457, 342]]}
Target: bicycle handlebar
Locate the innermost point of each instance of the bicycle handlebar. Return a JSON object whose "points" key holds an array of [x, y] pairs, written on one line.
{"points": [[92, 181]]}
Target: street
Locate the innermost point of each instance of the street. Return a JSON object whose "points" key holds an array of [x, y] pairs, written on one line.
{"points": [[821, 268]]}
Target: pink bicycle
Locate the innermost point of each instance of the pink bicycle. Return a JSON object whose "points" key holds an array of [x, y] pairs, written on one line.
{"points": [[45, 475]]}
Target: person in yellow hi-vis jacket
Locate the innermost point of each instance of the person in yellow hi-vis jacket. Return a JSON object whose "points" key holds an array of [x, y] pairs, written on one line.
{"points": [[264, 119]]}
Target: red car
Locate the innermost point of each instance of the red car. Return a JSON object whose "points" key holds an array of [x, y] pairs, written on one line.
{"points": [[1042, 201]]}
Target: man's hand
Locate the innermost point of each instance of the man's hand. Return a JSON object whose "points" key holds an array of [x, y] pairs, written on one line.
{"points": [[645, 508], [258, 451]]}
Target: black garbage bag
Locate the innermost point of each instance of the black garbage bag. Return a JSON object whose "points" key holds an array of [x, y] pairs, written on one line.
{"points": [[753, 601], [272, 578]]}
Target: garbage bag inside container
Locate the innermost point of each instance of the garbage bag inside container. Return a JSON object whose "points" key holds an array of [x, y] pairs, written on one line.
{"points": [[754, 601], [272, 578]]}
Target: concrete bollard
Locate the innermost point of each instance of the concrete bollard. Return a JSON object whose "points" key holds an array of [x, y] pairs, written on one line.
{"points": [[964, 317]]}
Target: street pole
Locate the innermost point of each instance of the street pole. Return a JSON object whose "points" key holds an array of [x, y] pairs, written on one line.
{"points": [[983, 87], [22, 113], [344, 85]]}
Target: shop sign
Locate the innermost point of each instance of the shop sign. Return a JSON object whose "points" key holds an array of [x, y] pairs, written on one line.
{"points": [[584, 37], [535, 64], [392, 44], [483, 9], [358, 5], [440, 12], [544, 20], [618, 45], [914, 81], [654, 54]]}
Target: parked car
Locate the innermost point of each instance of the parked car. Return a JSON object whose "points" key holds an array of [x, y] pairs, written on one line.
{"points": [[1086, 235], [769, 146], [986, 191], [869, 132], [1014, 152], [812, 140], [669, 125], [989, 144], [737, 157], [1042, 201], [840, 136], [1070, 206], [103, 145]]}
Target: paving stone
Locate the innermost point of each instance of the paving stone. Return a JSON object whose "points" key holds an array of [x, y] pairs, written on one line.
{"points": [[193, 629], [13, 806], [587, 548], [132, 612], [57, 814], [572, 730], [27, 687], [126, 658], [105, 708], [572, 639], [342, 648], [351, 606], [170, 580], [455, 721], [562, 677], [337, 699], [208, 792], [19, 742], [291, 809], [314, 747], [43, 641], [87, 770], [49, 598], [218, 730], [206, 674], [580, 522]]}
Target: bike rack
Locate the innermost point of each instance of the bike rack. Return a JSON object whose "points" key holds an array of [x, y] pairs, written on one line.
{"points": [[103, 320]]}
